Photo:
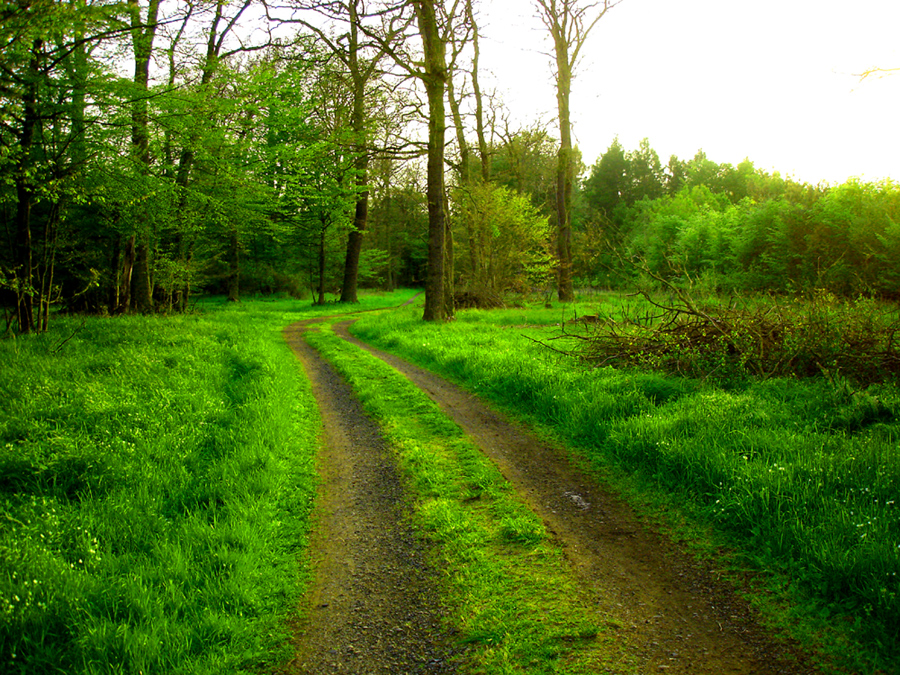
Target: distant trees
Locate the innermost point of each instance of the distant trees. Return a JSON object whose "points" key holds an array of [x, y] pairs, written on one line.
{"points": [[505, 246], [734, 227], [46, 71], [125, 192]]}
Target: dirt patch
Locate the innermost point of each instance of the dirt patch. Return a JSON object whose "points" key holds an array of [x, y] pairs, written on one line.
{"points": [[677, 614], [373, 607]]}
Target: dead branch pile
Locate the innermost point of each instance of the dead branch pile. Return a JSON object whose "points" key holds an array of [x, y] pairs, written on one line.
{"points": [[822, 336]]}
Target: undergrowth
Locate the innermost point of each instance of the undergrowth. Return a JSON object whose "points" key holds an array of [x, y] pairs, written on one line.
{"points": [[854, 341]]}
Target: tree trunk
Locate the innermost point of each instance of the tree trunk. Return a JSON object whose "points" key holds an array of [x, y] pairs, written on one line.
{"points": [[141, 283], [449, 271], [124, 277], [465, 179], [465, 171], [24, 270], [435, 79], [321, 291], [564, 174], [349, 289], [569, 23], [479, 105], [142, 42], [234, 268], [24, 260], [350, 285]]}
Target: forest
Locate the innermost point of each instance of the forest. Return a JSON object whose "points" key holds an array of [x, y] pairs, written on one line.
{"points": [[184, 184], [151, 152]]}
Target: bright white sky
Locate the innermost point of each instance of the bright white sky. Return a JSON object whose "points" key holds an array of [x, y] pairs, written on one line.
{"points": [[773, 80]]}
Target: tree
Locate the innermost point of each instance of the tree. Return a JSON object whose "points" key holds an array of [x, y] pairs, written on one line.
{"points": [[360, 74], [606, 187], [645, 174], [569, 23], [437, 306], [43, 79], [142, 36], [511, 238], [360, 50], [526, 161]]}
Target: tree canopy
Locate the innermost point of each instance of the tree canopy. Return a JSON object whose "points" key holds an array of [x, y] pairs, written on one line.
{"points": [[152, 150]]}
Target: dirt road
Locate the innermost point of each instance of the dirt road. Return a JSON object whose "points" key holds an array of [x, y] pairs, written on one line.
{"points": [[676, 615], [373, 608]]}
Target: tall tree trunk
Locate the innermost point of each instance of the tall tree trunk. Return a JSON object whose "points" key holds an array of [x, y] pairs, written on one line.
{"points": [[141, 283], [142, 41], [465, 170], [234, 267], [569, 23], [124, 276], [564, 175], [24, 257], [479, 104], [449, 270], [24, 197], [349, 288], [465, 178], [184, 242], [435, 79], [321, 290]]}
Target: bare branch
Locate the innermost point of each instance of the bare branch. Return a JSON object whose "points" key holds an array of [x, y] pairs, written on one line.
{"points": [[879, 72]]}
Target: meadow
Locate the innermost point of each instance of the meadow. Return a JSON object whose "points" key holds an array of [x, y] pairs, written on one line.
{"points": [[156, 481], [798, 478], [157, 478]]}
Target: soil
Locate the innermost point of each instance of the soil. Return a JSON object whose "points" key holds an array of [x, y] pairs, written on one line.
{"points": [[374, 608]]}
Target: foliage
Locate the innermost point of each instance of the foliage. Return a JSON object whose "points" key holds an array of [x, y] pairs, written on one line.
{"points": [[503, 243], [740, 228], [526, 163]]}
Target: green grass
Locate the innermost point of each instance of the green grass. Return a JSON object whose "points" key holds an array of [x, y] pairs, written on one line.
{"points": [[802, 477], [156, 478], [509, 593]]}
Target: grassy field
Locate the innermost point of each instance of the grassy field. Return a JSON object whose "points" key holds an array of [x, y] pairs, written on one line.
{"points": [[802, 477], [156, 479]]}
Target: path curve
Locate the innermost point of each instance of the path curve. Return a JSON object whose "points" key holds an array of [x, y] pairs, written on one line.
{"points": [[676, 613]]}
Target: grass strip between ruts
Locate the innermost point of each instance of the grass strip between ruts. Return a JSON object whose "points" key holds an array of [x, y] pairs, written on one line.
{"points": [[508, 591], [801, 476]]}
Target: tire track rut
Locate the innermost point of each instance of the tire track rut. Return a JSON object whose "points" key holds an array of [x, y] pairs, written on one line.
{"points": [[676, 613], [373, 607]]}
